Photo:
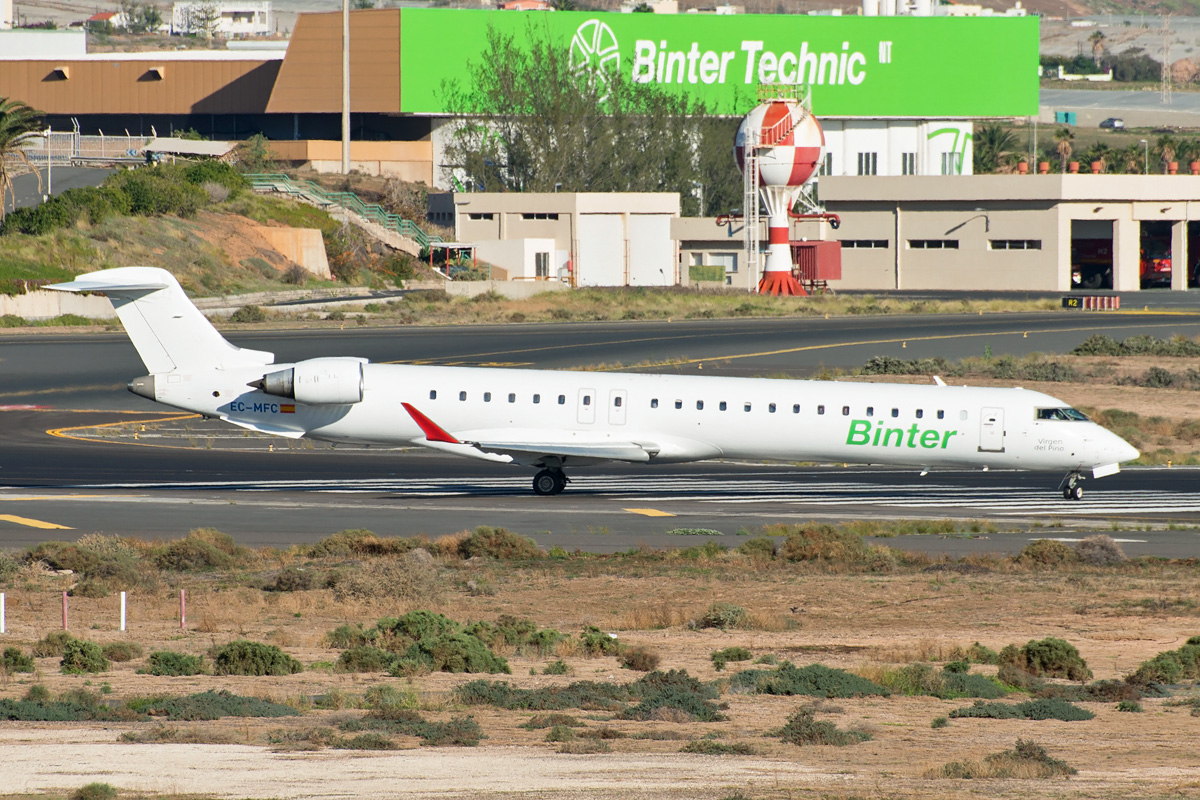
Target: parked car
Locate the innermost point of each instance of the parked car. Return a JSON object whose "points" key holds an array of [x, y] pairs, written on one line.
{"points": [[1113, 124]]}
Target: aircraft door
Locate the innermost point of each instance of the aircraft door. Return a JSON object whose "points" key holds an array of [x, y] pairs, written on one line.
{"points": [[991, 430], [587, 406], [616, 407]]}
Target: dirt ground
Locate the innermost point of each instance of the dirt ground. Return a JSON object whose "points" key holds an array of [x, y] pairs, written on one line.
{"points": [[1117, 617]]}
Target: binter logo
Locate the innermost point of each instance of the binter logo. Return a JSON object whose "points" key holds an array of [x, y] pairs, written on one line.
{"points": [[864, 434], [594, 51]]}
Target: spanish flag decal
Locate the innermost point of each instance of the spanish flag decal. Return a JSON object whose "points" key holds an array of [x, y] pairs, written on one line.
{"points": [[287, 408]]}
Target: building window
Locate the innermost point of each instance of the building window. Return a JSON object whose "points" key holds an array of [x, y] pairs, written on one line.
{"points": [[908, 163], [933, 244], [845, 411], [962, 415], [951, 163], [539, 215], [827, 164], [587, 399], [1015, 244], [865, 244], [477, 215], [541, 264], [868, 163]]}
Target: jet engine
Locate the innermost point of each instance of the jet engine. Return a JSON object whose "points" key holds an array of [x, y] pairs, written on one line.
{"points": [[317, 381]]}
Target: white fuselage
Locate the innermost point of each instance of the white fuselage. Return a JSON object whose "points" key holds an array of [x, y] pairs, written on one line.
{"points": [[676, 418]]}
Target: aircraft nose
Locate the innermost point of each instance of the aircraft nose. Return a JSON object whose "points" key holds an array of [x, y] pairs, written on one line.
{"points": [[1122, 449]]}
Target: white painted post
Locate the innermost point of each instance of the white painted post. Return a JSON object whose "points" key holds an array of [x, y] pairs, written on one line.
{"points": [[182, 609], [122, 612], [1, 612]]}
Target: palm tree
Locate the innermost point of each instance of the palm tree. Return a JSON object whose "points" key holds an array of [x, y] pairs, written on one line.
{"points": [[1097, 40], [1064, 136], [18, 123], [1166, 147], [992, 142]]}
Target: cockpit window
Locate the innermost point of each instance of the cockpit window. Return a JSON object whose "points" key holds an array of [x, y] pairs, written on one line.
{"points": [[1065, 414]]}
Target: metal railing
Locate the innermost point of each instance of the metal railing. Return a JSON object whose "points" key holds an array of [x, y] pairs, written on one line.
{"points": [[64, 148], [319, 196]]}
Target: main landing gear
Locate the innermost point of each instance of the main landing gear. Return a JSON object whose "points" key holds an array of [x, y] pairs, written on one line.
{"points": [[1072, 488], [549, 481]]}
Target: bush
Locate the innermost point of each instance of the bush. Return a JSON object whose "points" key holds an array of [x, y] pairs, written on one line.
{"points": [[814, 680], [759, 547], [1168, 667], [1026, 760], [540, 721], [922, 679], [455, 652], [500, 544], [158, 190], [1132, 706], [598, 643], [217, 172], [675, 691], [1048, 658], [407, 577], [721, 657], [939, 722], [1047, 553], [243, 657], [250, 313], [172, 664], [80, 657], [294, 579], [193, 553], [709, 747], [209, 706], [802, 728], [723, 616], [365, 659], [122, 651], [558, 667], [823, 543], [16, 661], [1099, 550], [640, 659], [1031, 709], [95, 791], [53, 644]]}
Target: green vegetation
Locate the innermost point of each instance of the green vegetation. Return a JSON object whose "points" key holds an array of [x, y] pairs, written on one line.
{"points": [[171, 663], [723, 616], [500, 544], [947, 684], [1142, 345], [1026, 760], [710, 747], [640, 659], [95, 791], [16, 661], [79, 656], [79, 705], [121, 651], [1047, 658], [722, 657], [815, 680], [1030, 709], [208, 706], [802, 728], [1170, 666], [243, 657]]}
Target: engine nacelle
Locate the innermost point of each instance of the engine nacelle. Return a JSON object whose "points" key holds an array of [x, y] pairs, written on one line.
{"points": [[318, 381]]}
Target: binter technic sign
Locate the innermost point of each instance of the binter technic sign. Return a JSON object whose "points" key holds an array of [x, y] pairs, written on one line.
{"points": [[855, 66]]}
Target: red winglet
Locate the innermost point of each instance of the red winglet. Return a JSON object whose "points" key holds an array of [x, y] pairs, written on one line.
{"points": [[432, 432]]}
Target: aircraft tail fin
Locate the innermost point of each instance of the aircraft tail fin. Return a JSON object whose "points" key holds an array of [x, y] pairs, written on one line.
{"points": [[166, 328]]}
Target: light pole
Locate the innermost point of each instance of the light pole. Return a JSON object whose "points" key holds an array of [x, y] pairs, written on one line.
{"points": [[49, 167], [1145, 157], [987, 221], [345, 87]]}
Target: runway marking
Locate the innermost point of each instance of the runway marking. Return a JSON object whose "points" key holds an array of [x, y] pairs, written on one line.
{"points": [[65, 433], [33, 523], [649, 512]]}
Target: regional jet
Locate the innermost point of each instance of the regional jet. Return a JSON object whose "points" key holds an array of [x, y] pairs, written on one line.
{"points": [[551, 420]]}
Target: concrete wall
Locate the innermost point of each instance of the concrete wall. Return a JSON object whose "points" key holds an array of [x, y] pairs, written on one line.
{"points": [[410, 161], [518, 257], [46, 304], [305, 246]]}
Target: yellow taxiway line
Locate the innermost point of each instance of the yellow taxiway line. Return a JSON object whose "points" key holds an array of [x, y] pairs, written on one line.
{"points": [[648, 512], [33, 523]]}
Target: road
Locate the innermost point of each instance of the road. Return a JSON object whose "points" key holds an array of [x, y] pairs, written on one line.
{"points": [[277, 493], [29, 192]]}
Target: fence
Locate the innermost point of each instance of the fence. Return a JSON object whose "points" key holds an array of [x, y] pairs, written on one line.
{"points": [[64, 148]]}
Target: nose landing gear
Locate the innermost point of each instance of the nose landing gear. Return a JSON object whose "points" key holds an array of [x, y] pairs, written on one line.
{"points": [[1072, 488], [549, 481]]}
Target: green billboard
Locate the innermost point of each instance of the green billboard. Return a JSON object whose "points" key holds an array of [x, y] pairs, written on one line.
{"points": [[855, 66]]}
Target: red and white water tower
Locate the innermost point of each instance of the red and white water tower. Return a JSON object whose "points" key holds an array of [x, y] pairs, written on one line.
{"points": [[779, 147]]}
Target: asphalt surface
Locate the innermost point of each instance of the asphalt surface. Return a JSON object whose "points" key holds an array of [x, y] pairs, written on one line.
{"points": [[273, 492], [29, 192]]}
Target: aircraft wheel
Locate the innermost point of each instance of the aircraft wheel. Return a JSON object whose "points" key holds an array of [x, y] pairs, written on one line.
{"points": [[549, 481], [1076, 492]]}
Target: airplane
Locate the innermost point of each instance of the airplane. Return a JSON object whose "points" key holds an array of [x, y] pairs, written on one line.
{"points": [[550, 420]]}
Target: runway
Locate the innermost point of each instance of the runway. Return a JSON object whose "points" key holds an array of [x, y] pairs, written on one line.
{"points": [[153, 481]]}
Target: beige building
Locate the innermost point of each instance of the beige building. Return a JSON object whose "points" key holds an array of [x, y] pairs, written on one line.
{"points": [[1053, 233]]}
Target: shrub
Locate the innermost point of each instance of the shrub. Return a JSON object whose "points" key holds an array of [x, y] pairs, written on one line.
{"points": [[1170, 666], [243, 657], [1048, 658], [823, 543], [759, 547], [709, 747], [417, 625], [723, 616], [1047, 553], [80, 656], [560, 733], [192, 553], [598, 643], [979, 654], [209, 706], [250, 313], [294, 579], [921, 678], [815, 680], [640, 659], [345, 636], [1099, 550], [95, 791], [673, 690], [558, 667], [16, 661], [406, 577], [366, 741], [365, 659], [939, 722], [1027, 760], [53, 644], [218, 172], [540, 721], [455, 652], [500, 544], [122, 651], [802, 728], [158, 190], [721, 657], [173, 664], [581, 694], [1031, 709], [1130, 706]]}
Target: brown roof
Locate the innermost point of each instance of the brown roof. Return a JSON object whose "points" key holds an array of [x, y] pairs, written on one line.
{"points": [[310, 79]]}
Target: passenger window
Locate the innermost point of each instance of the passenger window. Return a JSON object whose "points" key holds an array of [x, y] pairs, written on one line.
{"points": [[487, 397], [512, 398], [771, 408], [820, 409], [617, 402], [462, 395], [699, 405], [724, 405], [746, 407], [433, 394], [654, 402], [941, 414], [895, 412], [587, 399], [870, 411], [562, 399], [845, 411], [537, 398], [796, 408], [679, 404], [920, 413]]}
